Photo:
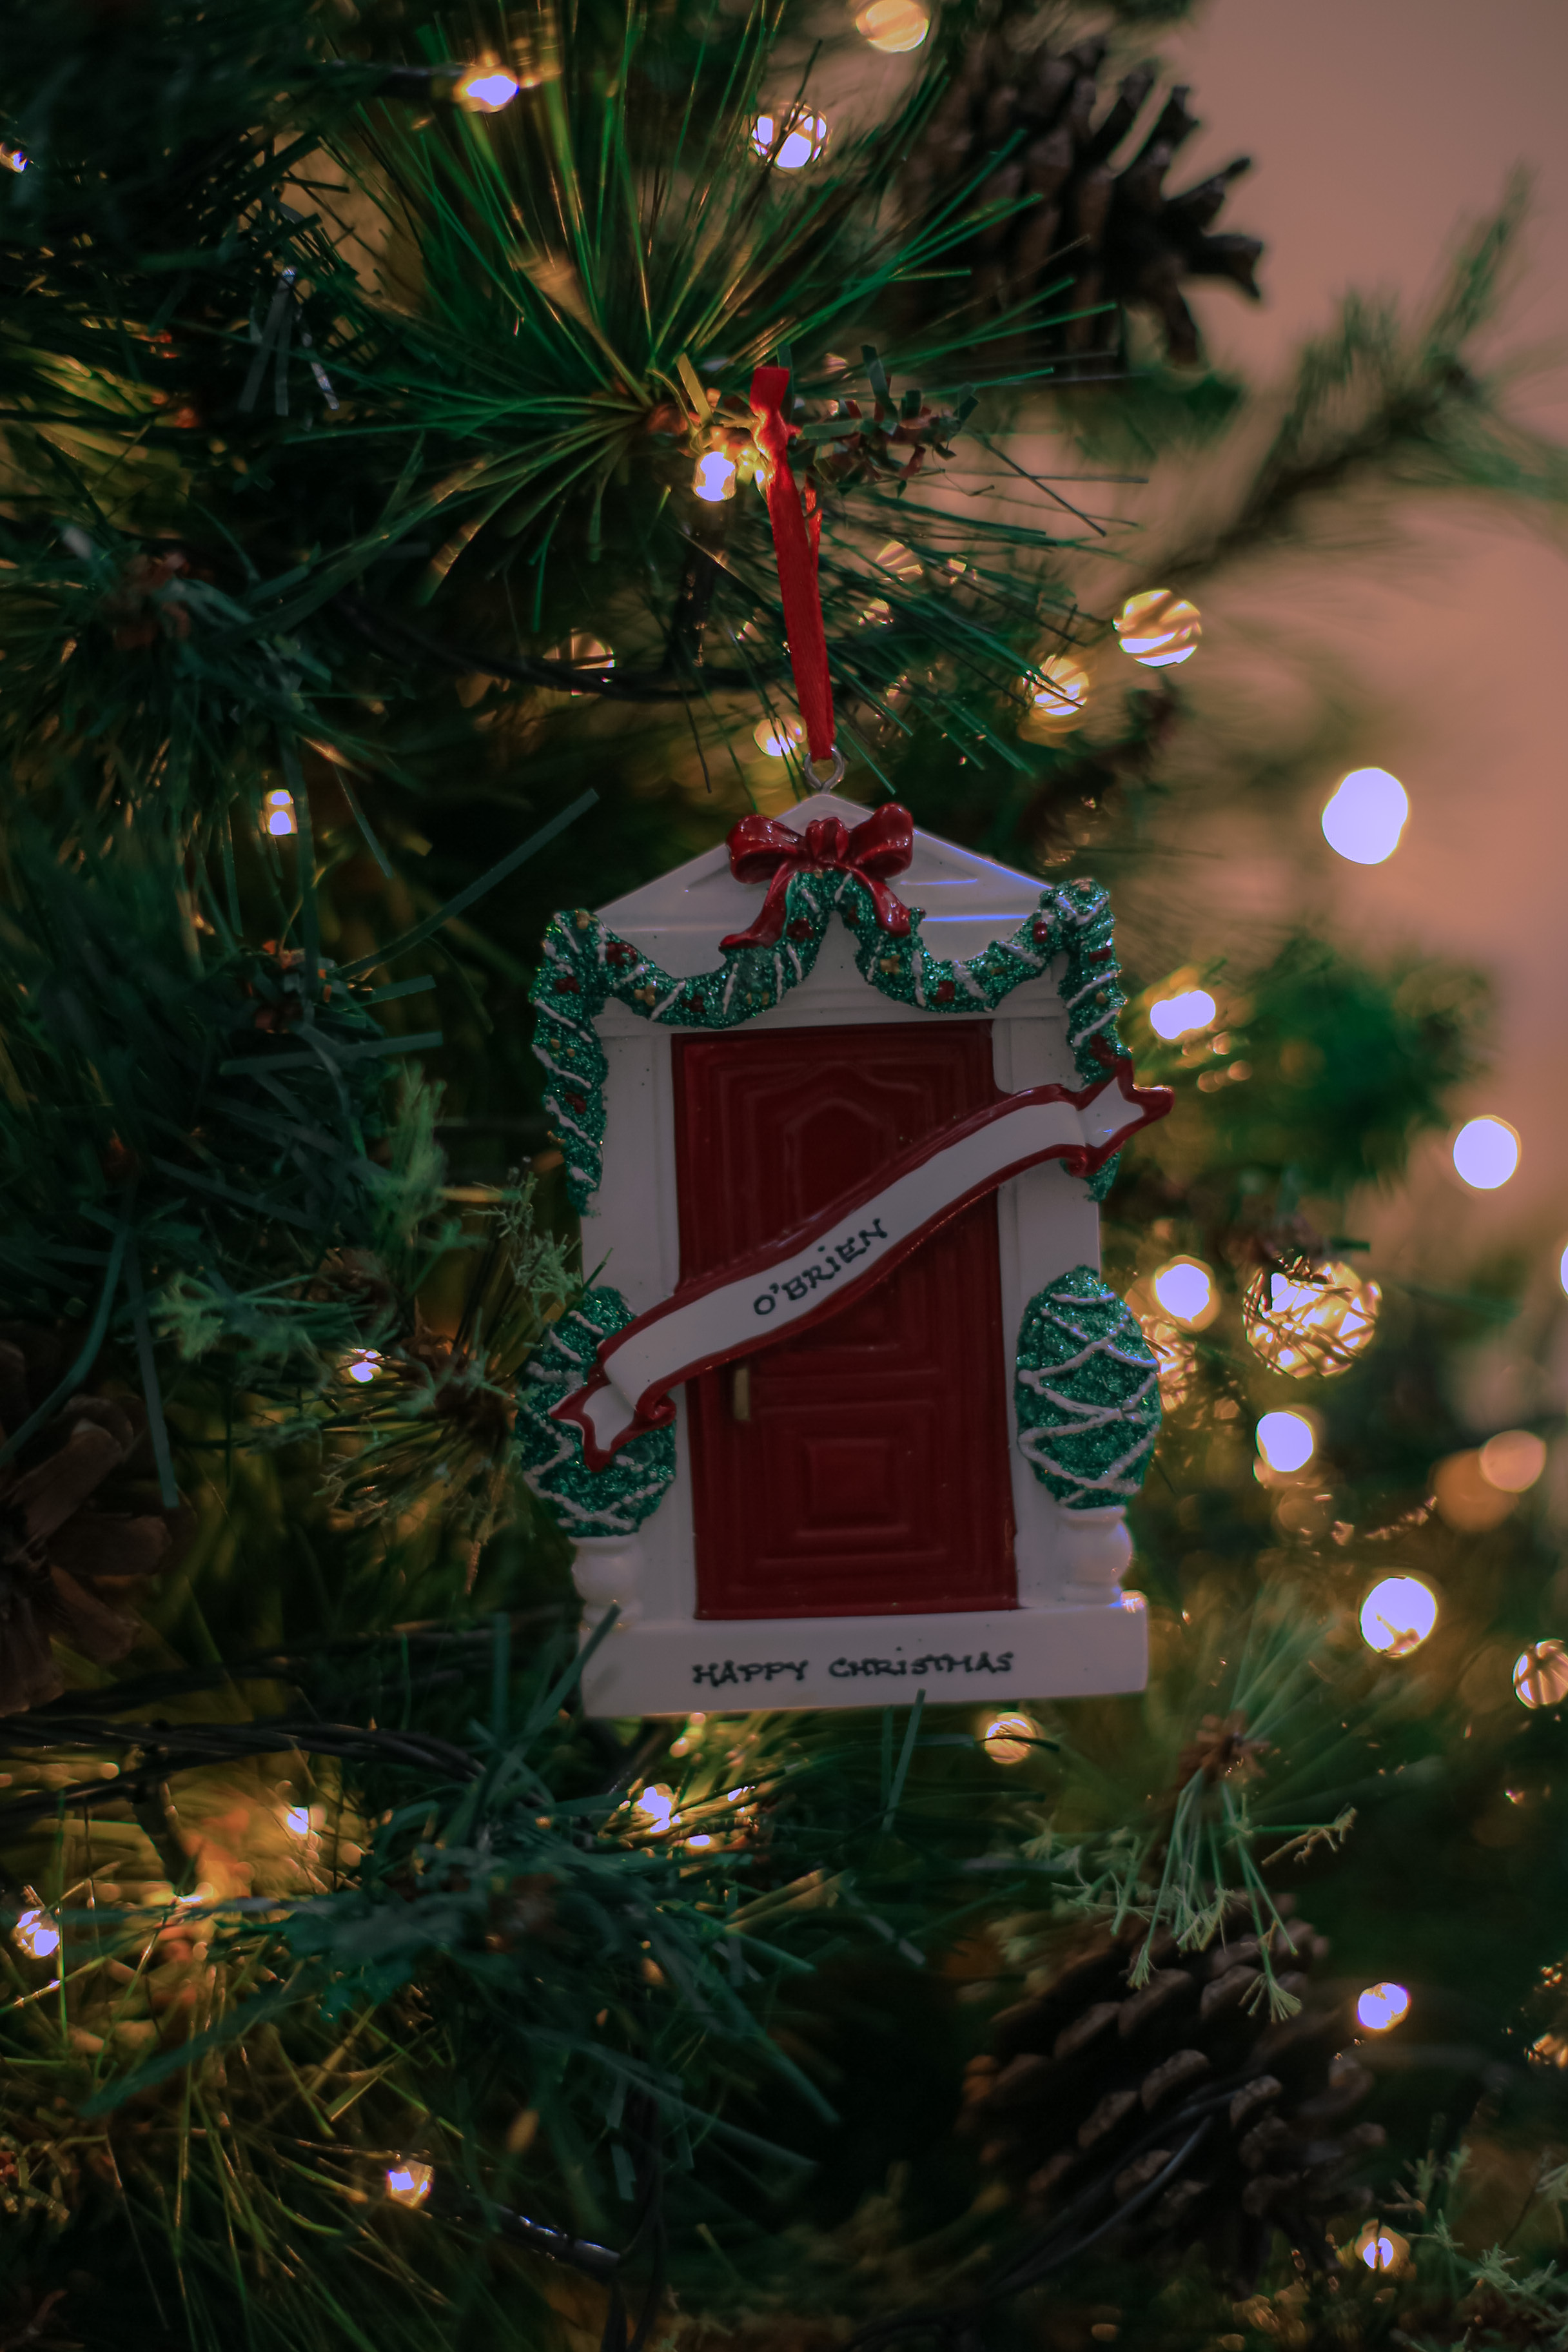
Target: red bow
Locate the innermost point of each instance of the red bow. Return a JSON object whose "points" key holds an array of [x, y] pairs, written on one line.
{"points": [[761, 851]]}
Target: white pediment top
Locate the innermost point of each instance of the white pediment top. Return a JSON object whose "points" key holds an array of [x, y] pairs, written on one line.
{"points": [[680, 919]]}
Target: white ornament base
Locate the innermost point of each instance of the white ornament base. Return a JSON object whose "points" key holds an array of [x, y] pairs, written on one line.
{"points": [[1065, 1650]]}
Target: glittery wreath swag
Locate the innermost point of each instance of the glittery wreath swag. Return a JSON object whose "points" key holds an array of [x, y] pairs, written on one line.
{"points": [[1088, 1392], [614, 1501], [586, 965]]}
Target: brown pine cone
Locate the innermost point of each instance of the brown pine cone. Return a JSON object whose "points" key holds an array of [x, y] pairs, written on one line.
{"points": [[1030, 117], [1092, 2091], [76, 1536]]}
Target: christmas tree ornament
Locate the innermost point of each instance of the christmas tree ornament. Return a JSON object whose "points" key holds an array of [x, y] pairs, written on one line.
{"points": [[1159, 628], [1312, 1322], [1177, 2098], [1021, 126], [837, 1100]]}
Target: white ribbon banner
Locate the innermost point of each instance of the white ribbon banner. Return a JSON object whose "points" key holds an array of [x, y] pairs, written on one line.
{"points": [[817, 1269]]}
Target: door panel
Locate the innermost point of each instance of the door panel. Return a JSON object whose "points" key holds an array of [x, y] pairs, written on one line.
{"points": [[863, 1466]]}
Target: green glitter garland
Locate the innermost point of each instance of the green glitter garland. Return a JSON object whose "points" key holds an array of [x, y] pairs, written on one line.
{"points": [[610, 1502], [1087, 1391], [586, 965]]}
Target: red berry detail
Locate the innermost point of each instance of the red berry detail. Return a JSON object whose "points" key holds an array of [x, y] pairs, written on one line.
{"points": [[799, 931], [942, 991]]}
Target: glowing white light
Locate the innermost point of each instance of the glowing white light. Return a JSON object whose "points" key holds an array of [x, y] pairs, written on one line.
{"points": [[715, 477], [297, 1821], [14, 159], [776, 736], [893, 26], [410, 2182], [1512, 1460], [1186, 1289], [1486, 1154], [487, 88], [804, 138], [1179, 1015], [1367, 816], [279, 817], [1286, 1440], [1540, 1674], [1397, 1615], [697, 1843], [1159, 628], [1010, 1739], [1381, 2252], [1058, 692], [1381, 2006], [37, 1934], [365, 1366], [655, 1806]]}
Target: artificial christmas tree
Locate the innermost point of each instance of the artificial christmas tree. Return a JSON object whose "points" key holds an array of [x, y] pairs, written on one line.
{"points": [[389, 552]]}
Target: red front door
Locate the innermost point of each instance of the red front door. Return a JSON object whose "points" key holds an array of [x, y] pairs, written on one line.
{"points": [[862, 1467]]}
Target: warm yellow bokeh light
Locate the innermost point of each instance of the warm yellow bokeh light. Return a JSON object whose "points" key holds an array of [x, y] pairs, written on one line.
{"points": [[37, 1934], [1058, 692], [1486, 1154], [1540, 1674], [775, 737], [1159, 628], [1313, 1322], [801, 137], [1286, 1440], [408, 2183], [1513, 1460], [279, 817], [486, 87], [656, 1807], [1180, 1015], [1185, 1289], [1009, 1738], [1367, 816], [1381, 2006], [893, 26], [297, 1820], [1381, 2249], [1397, 1615], [715, 475]]}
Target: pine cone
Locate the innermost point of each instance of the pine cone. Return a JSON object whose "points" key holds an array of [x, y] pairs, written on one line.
{"points": [[1029, 116], [1093, 2090], [74, 1537]]}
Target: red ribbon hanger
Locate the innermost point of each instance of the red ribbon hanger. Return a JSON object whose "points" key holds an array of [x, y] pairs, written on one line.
{"points": [[763, 850], [796, 542]]}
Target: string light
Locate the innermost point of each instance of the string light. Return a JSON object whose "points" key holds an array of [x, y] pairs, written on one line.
{"points": [[1562, 1269], [1486, 1154], [1365, 816], [894, 558], [365, 1366], [1184, 1287], [37, 1934], [14, 159], [1286, 1440], [1159, 628], [798, 140], [1317, 1322], [1397, 1615], [486, 87], [1381, 2007], [1513, 1460], [1540, 1674], [279, 817], [655, 1807], [409, 2183], [715, 477], [893, 26], [1010, 1739], [297, 1820], [1058, 692], [1381, 2249], [1180, 1015], [775, 736]]}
